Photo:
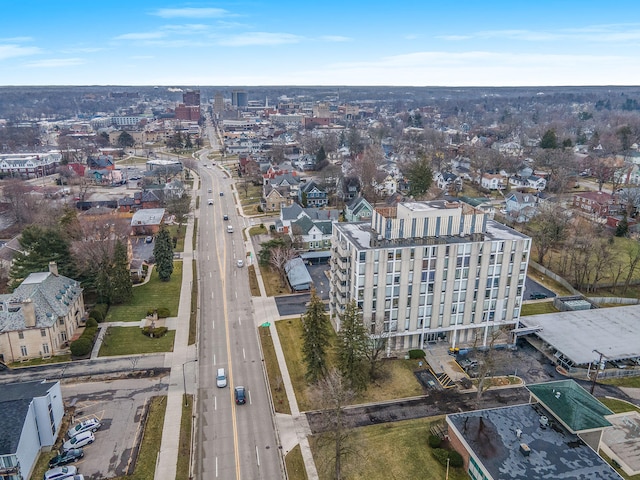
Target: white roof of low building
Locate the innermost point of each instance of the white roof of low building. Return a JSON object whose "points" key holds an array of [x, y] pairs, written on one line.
{"points": [[614, 332]]}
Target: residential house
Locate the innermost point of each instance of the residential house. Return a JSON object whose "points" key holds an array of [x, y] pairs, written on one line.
{"points": [[147, 221], [101, 162], [358, 210], [279, 191], [531, 181], [388, 186], [311, 235], [311, 195], [40, 317], [598, 204], [448, 182], [348, 187], [493, 181], [32, 414], [107, 177], [141, 200], [520, 207], [288, 214]]}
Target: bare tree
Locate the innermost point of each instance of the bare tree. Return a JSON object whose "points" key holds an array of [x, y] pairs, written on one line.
{"points": [[333, 394], [379, 339], [366, 166], [279, 258], [633, 255], [488, 358], [548, 229]]}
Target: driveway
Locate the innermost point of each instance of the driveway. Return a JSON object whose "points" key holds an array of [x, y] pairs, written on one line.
{"points": [[531, 286], [121, 406], [141, 249]]}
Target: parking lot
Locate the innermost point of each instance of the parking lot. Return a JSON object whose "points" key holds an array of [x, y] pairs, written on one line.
{"points": [[120, 405]]}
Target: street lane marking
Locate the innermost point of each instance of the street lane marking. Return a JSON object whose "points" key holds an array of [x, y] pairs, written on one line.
{"points": [[216, 467], [257, 455], [249, 393], [215, 403], [239, 321], [243, 355]]}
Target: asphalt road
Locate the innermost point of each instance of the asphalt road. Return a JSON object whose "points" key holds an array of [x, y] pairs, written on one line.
{"points": [[232, 441]]}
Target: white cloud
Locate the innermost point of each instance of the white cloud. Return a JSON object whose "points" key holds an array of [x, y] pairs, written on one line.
{"points": [[616, 33], [140, 36], [259, 38], [335, 38], [55, 63], [191, 13], [12, 51]]}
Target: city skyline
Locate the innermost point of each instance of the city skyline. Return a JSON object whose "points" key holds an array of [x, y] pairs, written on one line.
{"points": [[332, 43]]}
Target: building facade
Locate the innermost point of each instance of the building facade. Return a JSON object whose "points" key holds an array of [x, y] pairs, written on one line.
{"points": [[429, 271], [40, 317], [32, 417]]}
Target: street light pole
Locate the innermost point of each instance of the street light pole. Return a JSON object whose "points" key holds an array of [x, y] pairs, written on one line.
{"points": [[184, 382], [597, 370]]}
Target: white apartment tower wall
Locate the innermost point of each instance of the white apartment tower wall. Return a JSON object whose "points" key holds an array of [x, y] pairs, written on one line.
{"points": [[429, 271]]}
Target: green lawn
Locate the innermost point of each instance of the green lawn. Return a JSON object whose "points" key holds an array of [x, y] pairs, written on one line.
{"points": [[151, 295], [633, 382], [619, 406], [130, 340], [397, 378], [388, 451], [184, 446], [145, 467], [537, 308], [173, 232], [41, 361]]}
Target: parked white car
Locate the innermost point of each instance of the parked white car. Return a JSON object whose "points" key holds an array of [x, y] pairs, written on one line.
{"points": [[91, 424], [80, 440]]}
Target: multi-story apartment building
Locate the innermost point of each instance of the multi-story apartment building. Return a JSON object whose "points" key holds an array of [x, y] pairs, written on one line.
{"points": [[429, 271]]}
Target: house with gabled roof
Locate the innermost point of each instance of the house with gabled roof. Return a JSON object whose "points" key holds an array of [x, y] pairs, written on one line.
{"points": [[32, 414], [493, 181], [520, 207], [311, 235], [311, 195], [447, 181], [40, 317], [358, 210], [140, 200], [101, 162], [348, 188]]}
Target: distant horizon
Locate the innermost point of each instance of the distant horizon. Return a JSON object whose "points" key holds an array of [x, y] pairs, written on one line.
{"points": [[195, 87], [466, 44]]}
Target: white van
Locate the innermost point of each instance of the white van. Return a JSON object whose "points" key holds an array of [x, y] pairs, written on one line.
{"points": [[229, 229], [221, 378]]}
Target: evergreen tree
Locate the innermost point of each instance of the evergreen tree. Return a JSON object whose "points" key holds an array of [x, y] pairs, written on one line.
{"points": [[420, 176], [121, 286], [125, 140], [39, 247], [622, 230], [163, 253], [315, 339], [549, 140], [102, 278], [351, 349]]}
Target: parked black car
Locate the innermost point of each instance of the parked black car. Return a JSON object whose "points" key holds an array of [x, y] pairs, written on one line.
{"points": [[68, 456], [537, 295]]}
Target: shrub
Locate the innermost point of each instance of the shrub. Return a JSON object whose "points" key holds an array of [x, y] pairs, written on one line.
{"points": [[163, 312], [155, 332], [90, 333], [99, 312], [259, 209], [415, 354], [81, 347], [435, 441], [441, 455], [455, 459], [91, 322]]}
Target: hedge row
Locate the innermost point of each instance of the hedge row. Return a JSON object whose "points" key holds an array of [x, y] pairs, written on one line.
{"points": [[155, 332], [83, 345], [99, 312]]}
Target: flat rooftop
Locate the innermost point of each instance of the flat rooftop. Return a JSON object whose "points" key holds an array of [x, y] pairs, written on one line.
{"points": [[363, 236], [612, 331], [555, 453], [623, 441]]}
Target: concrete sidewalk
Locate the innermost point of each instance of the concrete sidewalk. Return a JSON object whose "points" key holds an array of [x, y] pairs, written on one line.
{"points": [[182, 355]]}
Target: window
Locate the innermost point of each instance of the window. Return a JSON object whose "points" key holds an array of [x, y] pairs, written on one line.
{"points": [[21, 335], [23, 350], [45, 348], [61, 320], [43, 332]]}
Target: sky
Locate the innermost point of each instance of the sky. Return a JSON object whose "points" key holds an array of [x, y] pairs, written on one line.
{"points": [[329, 42]]}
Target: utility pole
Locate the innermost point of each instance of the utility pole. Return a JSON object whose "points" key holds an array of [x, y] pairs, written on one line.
{"points": [[599, 367]]}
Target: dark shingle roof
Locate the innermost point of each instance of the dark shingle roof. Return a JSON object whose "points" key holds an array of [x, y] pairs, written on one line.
{"points": [[14, 404]]}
